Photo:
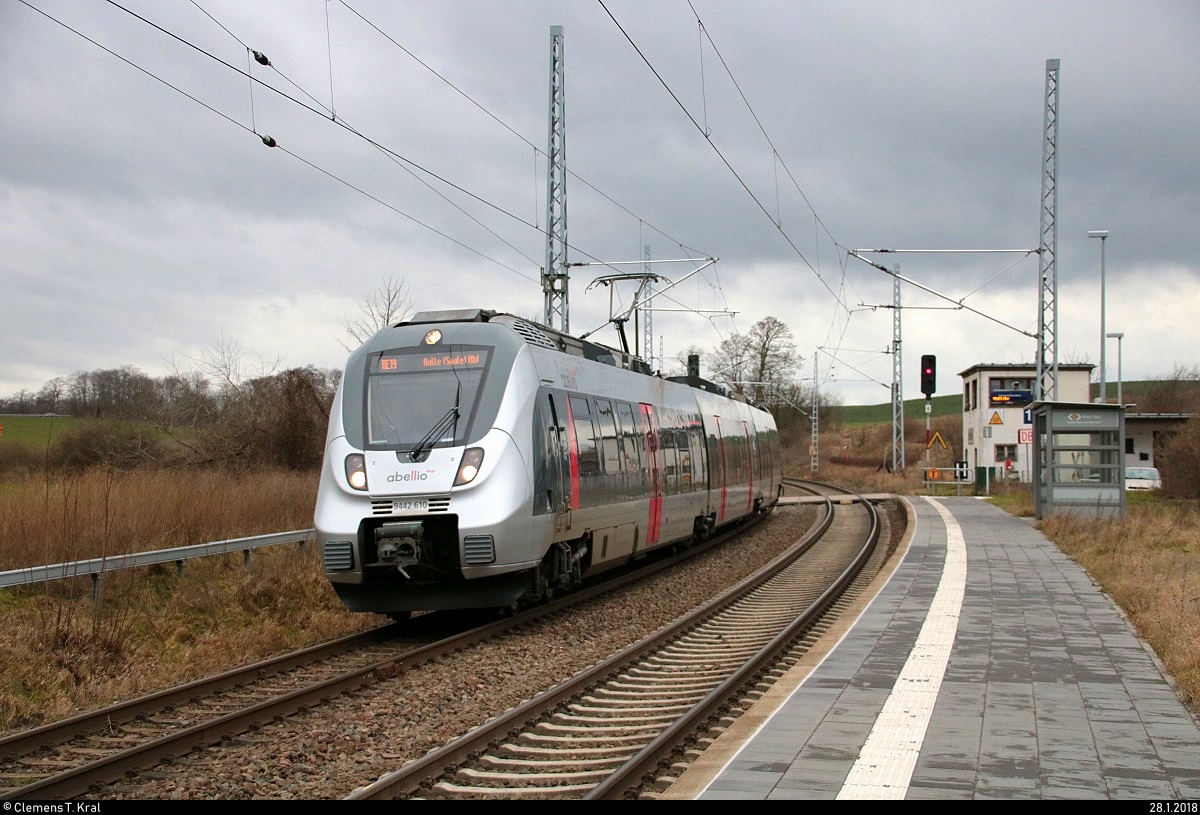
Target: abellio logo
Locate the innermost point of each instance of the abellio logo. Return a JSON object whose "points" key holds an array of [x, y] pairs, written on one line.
{"points": [[411, 475]]}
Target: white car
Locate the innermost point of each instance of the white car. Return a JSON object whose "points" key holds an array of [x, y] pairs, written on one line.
{"points": [[1142, 478]]}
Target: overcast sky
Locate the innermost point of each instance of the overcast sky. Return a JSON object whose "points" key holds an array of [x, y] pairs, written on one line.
{"points": [[144, 222]]}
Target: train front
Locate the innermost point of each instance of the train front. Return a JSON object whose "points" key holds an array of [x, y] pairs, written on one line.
{"points": [[425, 494]]}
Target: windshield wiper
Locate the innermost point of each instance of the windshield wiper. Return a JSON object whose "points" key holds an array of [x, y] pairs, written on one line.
{"points": [[449, 420]]}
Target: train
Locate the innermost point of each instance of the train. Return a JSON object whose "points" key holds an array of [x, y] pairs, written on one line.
{"points": [[476, 459]]}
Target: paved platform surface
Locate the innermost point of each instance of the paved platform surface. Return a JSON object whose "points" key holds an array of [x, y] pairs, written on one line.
{"points": [[987, 666]]}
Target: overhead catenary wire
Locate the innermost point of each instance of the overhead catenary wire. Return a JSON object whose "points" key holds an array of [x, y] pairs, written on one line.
{"points": [[537, 150], [338, 122], [405, 160], [268, 140], [271, 141], [707, 137], [848, 252], [840, 302], [262, 60], [329, 115], [310, 109], [758, 122], [329, 55]]}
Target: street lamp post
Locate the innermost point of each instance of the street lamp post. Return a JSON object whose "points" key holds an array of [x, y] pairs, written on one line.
{"points": [[1102, 234], [1118, 336]]}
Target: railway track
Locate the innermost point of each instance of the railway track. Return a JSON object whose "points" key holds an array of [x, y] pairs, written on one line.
{"points": [[74, 757], [625, 727], [64, 759]]}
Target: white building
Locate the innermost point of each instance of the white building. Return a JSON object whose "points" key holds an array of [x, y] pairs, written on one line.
{"points": [[997, 431], [1147, 433]]}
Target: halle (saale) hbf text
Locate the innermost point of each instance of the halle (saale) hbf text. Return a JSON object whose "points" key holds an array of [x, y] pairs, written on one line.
{"points": [[437, 362]]}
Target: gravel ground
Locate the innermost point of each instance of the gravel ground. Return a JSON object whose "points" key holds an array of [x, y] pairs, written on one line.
{"points": [[353, 740]]}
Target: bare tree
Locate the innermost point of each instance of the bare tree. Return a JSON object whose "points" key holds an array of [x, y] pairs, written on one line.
{"points": [[759, 362], [224, 362], [123, 393], [385, 306], [774, 357], [732, 362], [51, 393]]}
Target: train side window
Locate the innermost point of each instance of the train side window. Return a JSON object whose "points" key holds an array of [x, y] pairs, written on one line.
{"points": [[696, 448], [585, 437], [610, 453], [667, 422], [718, 463], [737, 444], [683, 445], [631, 448], [631, 437]]}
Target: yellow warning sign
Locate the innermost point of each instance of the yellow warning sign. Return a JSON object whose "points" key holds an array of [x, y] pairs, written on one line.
{"points": [[937, 436], [995, 418]]}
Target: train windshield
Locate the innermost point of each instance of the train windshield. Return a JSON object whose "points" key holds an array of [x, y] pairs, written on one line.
{"points": [[423, 398]]}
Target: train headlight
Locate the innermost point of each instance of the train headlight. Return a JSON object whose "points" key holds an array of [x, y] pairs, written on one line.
{"points": [[472, 458], [356, 471]]}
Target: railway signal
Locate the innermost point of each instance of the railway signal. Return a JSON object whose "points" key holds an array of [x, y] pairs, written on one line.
{"points": [[928, 374]]}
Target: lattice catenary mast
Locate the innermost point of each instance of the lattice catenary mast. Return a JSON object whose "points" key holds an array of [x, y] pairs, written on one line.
{"points": [[1046, 387], [648, 317], [897, 381], [554, 274]]}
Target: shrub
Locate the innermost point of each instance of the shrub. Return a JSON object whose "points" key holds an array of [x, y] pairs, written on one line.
{"points": [[1180, 465], [18, 458], [107, 443]]}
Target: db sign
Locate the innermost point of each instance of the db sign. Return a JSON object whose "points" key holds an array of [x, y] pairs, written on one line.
{"points": [[1025, 435]]}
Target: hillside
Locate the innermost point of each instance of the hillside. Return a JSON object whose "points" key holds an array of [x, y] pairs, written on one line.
{"points": [[913, 409], [1142, 396]]}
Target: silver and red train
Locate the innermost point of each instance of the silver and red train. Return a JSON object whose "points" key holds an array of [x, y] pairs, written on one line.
{"points": [[476, 459]]}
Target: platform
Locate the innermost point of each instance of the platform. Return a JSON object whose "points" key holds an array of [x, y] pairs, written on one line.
{"points": [[986, 665]]}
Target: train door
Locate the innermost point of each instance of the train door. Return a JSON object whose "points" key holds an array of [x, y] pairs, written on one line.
{"points": [[654, 466], [556, 464], [722, 466]]}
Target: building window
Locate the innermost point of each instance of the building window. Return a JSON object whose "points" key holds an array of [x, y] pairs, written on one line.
{"points": [[1129, 445], [1006, 452]]}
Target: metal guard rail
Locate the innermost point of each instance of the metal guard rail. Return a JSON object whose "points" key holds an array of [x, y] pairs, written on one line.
{"points": [[96, 567]]}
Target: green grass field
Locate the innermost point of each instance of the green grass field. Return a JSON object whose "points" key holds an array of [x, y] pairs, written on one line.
{"points": [[33, 431], [1132, 393], [913, 408]]}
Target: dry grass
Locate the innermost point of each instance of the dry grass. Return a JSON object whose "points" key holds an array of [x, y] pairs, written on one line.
{"points": [[104, 512], [1149, 563], [154, 628]]}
